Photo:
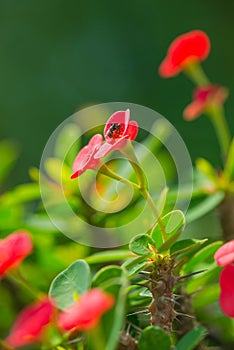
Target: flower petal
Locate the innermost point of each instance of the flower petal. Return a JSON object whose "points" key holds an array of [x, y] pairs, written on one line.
{"points": [[186, 48], [194, 110], [86, 313], [85, 159], [225, 254], [227, 290], [132, 130], [13, 249], [30, 323]]}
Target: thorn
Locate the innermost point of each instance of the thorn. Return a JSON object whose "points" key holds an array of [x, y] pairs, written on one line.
{"points": [[190, 274], [142, 285], [138, 329], [138, 312], [186, 315]]}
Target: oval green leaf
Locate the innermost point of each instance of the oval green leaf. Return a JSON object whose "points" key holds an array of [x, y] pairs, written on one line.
{"points": [[154, 337], [140, 244], [191, 339], [173, 222], [70, 283]]}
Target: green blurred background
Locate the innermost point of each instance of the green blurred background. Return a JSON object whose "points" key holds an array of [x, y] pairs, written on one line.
{"points": [[58, 56]]}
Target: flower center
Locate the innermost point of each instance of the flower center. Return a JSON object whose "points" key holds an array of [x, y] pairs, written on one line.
{"points": [[115, 130]]}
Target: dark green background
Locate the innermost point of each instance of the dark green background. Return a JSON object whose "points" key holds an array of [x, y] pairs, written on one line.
{"points": [[57, 56]]}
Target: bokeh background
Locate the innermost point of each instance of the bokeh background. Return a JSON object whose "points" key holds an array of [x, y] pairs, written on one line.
{"points": [[58, 56]]}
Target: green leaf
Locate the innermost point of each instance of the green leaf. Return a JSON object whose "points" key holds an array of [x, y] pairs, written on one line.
{"points": [[201, 256], [204, 207], [167, 244], [229, 167], [112, 322], [206, 296], [207, 169], [140, 244], [191, 339], [154, 337], [21, 194], [135, 265], [108, 256], [107, 275], [173, 222], [186, 245], [57, 170], [70, 283]]}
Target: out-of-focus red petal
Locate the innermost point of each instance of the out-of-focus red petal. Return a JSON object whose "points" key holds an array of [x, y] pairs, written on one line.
{"points": [[193, 110], [13, 249], [225, 254], [30, 324], [86, 313], [226, 301], [186, 48], [227, 290], [226, 279]]}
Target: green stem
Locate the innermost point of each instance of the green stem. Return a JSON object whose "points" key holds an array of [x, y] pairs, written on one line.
{"points": [[96, 338], [154, 209], [4, 346], [129, 153], [17, 278], [105, 170], [216, 114], [195, 72]]}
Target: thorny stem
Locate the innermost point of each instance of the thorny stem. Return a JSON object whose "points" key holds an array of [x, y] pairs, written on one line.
{"points": [[163, 301]]}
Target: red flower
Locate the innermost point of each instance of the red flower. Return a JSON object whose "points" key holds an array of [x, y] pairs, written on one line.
{"points": [[226, 298], [30, 324], [225, 254], [13, 249], [203, 98], [185, 49], [86, 313], [85, 159], [118, 130]]}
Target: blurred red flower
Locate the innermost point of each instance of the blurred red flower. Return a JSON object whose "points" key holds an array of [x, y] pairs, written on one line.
{"points": [[86, 313], [85, 159], [117, 131], [226, 298], [225, 254], [187, 48], [13, 249], [30, 324], [203, 98]]}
